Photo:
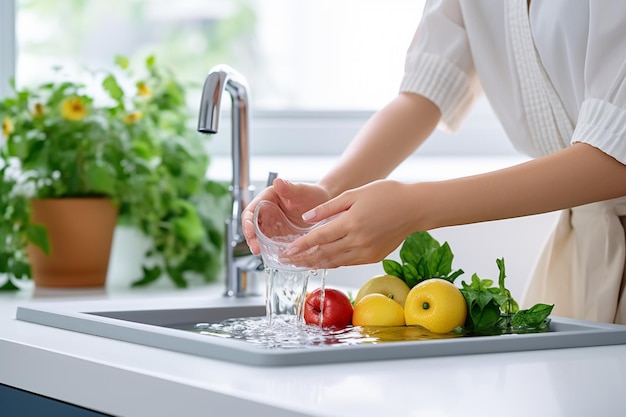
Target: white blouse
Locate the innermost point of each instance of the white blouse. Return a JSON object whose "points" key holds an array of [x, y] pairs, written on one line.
{"points": [[463, 48]]}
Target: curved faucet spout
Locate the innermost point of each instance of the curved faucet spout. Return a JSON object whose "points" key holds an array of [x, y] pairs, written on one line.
{"points": [[239, 260], [222, 78]]}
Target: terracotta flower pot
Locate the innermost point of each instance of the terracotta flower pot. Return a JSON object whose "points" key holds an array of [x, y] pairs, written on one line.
{"points": [[81, 234]]}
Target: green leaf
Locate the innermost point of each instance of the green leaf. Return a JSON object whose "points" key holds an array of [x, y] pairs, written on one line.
{"points": [[411, 276], [440, 261], [484, 319], [416, 245], [532, 318], [502, 275], [143, 150], [484, 298], [18, 147], [218, 189], [508, 303], [187, 224], [422, 270], [122, 61], [4, 259], [38, 236], [35, 155], [510, 306], [453, 276], [111, 86], [21, 270], [100, 177], [392, 267], [477, 284], [423, 258], [9, 286], [150, 275], [469, 295], [177, 276]]}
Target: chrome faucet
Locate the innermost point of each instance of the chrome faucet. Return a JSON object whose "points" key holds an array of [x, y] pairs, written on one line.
{"points": [[242, 267]]}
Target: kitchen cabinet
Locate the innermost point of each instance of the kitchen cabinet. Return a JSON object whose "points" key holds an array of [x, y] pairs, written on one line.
{"points": [[16, 402]]}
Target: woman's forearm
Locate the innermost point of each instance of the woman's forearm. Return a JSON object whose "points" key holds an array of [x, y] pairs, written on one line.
{"points": [[388, 138], [577, 175]]}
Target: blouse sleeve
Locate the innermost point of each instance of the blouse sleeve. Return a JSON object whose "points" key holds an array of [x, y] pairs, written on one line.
{"points": [[602, 116], [439, 64]]}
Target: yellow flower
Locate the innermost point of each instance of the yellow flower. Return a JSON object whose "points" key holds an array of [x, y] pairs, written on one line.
{"points": [[143, 90], [133, 117], [38, 110], [73, 109], [7, 126]]}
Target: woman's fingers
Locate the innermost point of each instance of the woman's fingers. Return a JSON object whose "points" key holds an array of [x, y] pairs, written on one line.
{"points": [[372, 222], [332, 230], [250, 234], [292, 198], [343, 251], [329, 209], [322, 235]]}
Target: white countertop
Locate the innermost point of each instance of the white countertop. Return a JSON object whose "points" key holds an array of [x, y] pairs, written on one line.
{"points": [[131, 380]]}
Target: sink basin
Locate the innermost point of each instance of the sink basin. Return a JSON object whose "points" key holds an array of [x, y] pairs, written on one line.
{"points": [[167, 328]]}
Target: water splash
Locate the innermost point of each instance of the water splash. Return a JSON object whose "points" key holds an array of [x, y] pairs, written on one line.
{"points": [[286, 333]]}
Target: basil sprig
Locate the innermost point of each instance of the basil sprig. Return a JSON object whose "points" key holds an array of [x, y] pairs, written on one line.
{"points": [[492, 310]]}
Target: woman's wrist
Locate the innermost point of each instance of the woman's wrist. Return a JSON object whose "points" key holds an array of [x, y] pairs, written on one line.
{"points": [[331, 186]]}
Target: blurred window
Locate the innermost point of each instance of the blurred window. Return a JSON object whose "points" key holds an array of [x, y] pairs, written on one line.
{"points": [[317, 69]]}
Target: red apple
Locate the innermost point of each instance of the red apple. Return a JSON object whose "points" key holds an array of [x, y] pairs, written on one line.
{"points": [[337, 308]]}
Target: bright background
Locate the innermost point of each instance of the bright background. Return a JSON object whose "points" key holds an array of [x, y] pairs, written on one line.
{"points": [[317, 69]]}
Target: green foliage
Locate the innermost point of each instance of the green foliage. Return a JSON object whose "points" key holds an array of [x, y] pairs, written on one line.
{"points": [[14, 214], [492, 310], [422, 258], [134, 147]]}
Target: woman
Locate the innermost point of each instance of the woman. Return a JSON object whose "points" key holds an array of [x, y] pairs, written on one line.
{"points": [[554, 72]]}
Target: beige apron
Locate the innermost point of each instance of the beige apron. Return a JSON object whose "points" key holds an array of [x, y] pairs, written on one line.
{"points": [[581, 269]]}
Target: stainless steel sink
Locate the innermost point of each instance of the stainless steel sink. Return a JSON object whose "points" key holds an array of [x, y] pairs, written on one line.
{"points": [[167, 328], [182, 319]]}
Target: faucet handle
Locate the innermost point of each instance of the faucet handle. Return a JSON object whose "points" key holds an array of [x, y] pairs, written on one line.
{"points": [[271, 177]]}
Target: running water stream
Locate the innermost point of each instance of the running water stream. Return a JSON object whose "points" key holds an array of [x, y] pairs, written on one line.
{"points": [[285, 294], [322, 296]]}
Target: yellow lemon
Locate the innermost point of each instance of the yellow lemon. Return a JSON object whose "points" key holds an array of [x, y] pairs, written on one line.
{"points": [[377, 310], [388, 285], [437, 305]]}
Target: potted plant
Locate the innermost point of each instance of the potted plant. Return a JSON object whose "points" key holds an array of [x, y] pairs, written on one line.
{"points": [[128, 151]]}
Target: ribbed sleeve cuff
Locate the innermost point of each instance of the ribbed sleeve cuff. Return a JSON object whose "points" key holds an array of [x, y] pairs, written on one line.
{"points": [[444, 84], [602, 125]]}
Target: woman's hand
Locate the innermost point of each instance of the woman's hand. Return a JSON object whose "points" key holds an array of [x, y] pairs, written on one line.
{"points": [[371, 222], [293, 198]]}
